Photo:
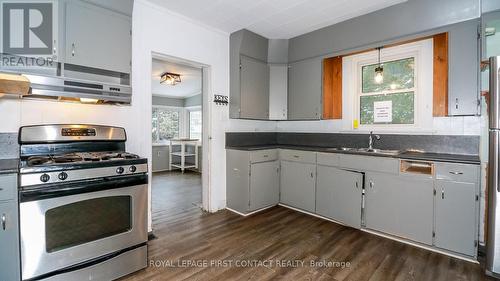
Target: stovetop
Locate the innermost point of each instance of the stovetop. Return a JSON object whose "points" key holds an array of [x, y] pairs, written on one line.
{"points": [[77, 157], [77, 160]]}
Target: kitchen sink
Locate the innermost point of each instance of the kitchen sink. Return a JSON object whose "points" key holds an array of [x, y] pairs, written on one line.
{"points": [[378, 151], [366, 150]]}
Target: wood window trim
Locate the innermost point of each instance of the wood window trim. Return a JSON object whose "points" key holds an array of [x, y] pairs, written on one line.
{"points": [[332, 78], [332, 88]]}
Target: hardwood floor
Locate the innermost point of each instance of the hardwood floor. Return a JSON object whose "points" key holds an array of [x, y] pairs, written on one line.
{"points": [[278, 235]]}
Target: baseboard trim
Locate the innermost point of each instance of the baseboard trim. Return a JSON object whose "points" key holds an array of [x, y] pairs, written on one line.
{"points": [[251, 213], [388, 236]]}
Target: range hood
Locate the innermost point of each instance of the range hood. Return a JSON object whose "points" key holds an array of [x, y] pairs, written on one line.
{"points": [[14, 84], [71, 89], [66, 82]]}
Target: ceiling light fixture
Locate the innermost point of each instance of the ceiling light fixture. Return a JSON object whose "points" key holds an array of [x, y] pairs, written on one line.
{"points": [[170, 78], [379, 70]]}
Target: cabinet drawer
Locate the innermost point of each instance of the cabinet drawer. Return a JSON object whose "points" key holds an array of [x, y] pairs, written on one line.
{"points": [[298, 156], [8, 187], [263, 155], [457, 172], [369, 163], [328, 159]]}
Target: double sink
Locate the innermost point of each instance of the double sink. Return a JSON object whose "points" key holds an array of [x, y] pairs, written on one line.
{"points": [[366, 150]]}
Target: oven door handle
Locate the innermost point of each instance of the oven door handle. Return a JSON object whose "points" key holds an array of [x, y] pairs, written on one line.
{"points": [[67, 189]]}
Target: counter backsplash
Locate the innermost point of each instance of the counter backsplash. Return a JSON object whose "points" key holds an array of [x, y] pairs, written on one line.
{"points": [[9, 148], [447, 144]]}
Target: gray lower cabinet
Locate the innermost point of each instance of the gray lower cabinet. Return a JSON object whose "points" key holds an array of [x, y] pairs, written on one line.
{"points": [[254, 89], [305, 90], [298, 184], [264, 184], [160, 158], [339, 194], [9, 229], [252, 180], [401, 205], [455, 215]]}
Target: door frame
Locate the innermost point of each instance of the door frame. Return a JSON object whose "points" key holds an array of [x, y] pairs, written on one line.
{"points": [[206, 120]]}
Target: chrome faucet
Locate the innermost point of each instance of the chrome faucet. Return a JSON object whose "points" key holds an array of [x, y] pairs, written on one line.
{"points": [[371, 140]]}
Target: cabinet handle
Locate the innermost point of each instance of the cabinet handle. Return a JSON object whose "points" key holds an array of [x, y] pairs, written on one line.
{"points": [[442, 193], [73, 49], [1, 189], [456, 173], [296, 156], [371, 184], [357, 185], [265, 156], [55, 49], [4, 219], [312, 176]]}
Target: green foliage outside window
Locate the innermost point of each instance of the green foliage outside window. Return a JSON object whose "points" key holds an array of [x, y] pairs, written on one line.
{"points": [[398, 84]]}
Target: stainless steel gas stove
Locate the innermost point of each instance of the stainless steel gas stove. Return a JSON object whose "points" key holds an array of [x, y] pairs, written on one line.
{"points": [[83, 203]]}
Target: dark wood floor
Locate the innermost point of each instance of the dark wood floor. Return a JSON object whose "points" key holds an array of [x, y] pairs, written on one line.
{"points": [[186, 234]]}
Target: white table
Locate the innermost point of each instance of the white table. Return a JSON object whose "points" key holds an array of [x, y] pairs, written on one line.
{"points": [[183, 154]]}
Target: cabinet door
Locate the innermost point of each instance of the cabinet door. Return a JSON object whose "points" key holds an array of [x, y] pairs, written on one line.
{"points": [[9, 241], [463, 67], [297, 185], [254, 89], [338, 195], [264, 185], [455, 217], [160, 158], [400, 205], [304, 90], [96, 37]]}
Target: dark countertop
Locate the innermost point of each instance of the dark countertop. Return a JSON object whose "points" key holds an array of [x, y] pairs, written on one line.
{"points": [[9, 166], [430, 156]]}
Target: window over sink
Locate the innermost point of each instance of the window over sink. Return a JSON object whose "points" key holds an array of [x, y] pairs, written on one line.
{"points": [[402, 100]]}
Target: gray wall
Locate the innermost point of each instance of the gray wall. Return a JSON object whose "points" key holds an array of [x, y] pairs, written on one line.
{"points": [[193, 101], [166, 101], [178, 102], [393, 23]]}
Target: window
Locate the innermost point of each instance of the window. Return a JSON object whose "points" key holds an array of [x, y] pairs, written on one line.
{"points": [[165, 124], [195, 124], [393, 100], [402, 102]]}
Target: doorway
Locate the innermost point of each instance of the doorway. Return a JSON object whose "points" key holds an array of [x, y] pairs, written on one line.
{"points": [[177, 119]]}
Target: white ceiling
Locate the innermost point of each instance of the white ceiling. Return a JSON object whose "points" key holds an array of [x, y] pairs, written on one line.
{"points": [[275, 19], [190, 80], [122, 6]]}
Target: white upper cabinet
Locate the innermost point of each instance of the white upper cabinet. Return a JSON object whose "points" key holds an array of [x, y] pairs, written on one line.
{"points": [[97, 37]]}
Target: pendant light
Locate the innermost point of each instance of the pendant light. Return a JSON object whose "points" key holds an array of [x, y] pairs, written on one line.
{"points": [[379, 71]]}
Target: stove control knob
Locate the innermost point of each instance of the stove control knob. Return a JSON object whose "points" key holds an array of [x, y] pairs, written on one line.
{"points": [[120, 170], [62, 176], [44, 178], [132, 169]]}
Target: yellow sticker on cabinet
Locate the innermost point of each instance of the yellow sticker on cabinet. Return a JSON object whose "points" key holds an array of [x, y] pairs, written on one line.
{"points": [[355, 123]]}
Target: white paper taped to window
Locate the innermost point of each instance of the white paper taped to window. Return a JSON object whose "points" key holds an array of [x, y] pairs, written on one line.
{"points": [[382, 111]]}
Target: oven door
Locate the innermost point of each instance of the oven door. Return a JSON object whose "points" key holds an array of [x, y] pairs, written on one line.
{"points": [[62, 226]]}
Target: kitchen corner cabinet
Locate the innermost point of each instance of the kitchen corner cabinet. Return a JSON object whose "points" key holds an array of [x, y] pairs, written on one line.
{"points": [[97, 37], [298, 185], [339, 194], [252, 179], [254, 89], [305, 89], [401, 205], [9, 229]]}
